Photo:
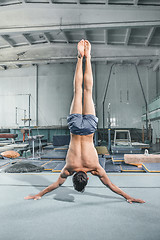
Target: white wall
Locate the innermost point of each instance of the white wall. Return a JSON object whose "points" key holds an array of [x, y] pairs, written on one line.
{"points": [[124, 94], [154, 92], [54, 91], [55, 94], [13, 82]]}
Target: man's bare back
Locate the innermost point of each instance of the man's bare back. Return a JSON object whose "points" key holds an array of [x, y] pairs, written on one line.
{"points": [[81, 155]]}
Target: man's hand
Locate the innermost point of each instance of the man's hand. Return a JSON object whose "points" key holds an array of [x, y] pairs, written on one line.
{"points": [[34, 197], [131, 200]]}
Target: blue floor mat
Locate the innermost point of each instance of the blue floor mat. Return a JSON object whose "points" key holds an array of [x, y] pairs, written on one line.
{"points": [[48, 165], [118, 158], [151, 167], [54, 155], [61, 148], [59, 167], [49, 147], [102, 162], [110, 167], [130, 168], [3, 162]]}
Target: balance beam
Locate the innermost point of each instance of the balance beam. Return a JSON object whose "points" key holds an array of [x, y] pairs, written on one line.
{"points": [[8, 135], [141, 158]]}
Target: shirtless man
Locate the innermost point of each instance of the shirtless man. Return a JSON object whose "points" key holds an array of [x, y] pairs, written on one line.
{"points": [[82, 156]]}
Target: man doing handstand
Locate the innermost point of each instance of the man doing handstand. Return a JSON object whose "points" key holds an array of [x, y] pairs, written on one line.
{"points": [[82, 156]]}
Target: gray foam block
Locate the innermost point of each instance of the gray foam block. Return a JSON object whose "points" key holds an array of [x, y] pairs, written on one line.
{"points": [[23, 167]]}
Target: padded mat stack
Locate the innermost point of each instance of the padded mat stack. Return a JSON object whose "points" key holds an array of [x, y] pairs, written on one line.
{"points": [[48, 147], [151, 167], [130, 168], [148, 162], [118, 158]]}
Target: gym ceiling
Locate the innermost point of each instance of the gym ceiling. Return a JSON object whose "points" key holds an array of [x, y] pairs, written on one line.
{"points": [[47, 31]]}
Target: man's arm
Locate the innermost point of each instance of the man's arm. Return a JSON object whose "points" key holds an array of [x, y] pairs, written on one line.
{"points": [[106, 181], [62, 178]]}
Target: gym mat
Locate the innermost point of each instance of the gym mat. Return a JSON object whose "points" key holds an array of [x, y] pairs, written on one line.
{"points": [[151, 167], [6, 148], [102, 162], [110, 167], [48, 165], [118, 158], [19, 145], [61, 140], [61, 148], [4, 163], [54, 155], [59, 167], [130, 168], [23, 167], [48, 147]]}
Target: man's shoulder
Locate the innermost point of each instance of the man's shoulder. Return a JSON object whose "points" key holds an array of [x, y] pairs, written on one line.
{"points": [[98, 171], [65, 172]]}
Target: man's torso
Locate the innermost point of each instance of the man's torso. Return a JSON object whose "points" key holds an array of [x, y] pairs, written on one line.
{"points": [[81, 155]]}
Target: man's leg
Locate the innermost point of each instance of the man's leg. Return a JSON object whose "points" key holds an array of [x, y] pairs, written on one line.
{"points": [[76, 106], [88, 105]]}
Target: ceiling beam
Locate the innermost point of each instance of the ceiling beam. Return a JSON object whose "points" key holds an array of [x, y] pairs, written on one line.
{"points": [[75, 17], [152, 63], [157, 65], [7, 40], [127, 36], [17, 65], [65, 37], [85, 35], [70, 27], [63, 49], [46, 35], [106, 36], [3, 67], [69, 60], [150, 35], [26, 36], [67, 53]]}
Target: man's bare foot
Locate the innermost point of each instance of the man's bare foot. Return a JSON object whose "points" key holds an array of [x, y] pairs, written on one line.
{"points": [[87, 49], [80, 48]]}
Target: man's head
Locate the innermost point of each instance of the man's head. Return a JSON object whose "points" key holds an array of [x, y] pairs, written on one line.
{"points": [[80, 180]]}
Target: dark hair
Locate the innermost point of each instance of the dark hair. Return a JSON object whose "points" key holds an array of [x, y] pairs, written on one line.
{"points": [[80, 180]]}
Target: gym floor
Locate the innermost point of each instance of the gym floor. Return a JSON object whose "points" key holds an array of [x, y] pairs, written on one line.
{"points": [[64, 214]]}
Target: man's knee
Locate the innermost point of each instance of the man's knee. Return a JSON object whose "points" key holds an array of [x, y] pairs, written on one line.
{"points": [[78, 90], [88, 90]]}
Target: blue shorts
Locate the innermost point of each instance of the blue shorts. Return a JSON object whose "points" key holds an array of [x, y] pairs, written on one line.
{"points": [[82, 124]]}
